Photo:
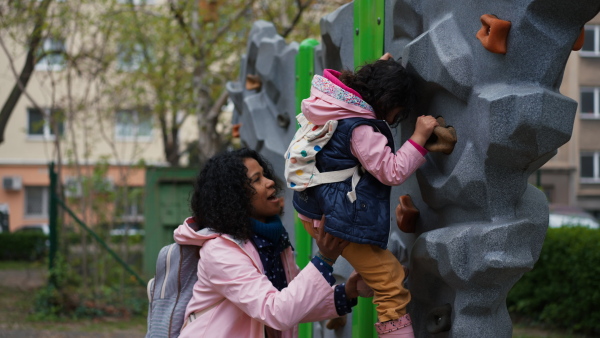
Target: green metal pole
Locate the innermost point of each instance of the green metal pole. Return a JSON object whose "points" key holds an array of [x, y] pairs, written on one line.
{"points": [[53, 220], [304, 73], [369, 33]]}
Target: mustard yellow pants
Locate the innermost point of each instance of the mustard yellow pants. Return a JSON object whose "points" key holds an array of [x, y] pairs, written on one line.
{"points": [[381, 271]]}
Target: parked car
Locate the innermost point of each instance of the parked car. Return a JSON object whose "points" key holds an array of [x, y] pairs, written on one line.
{"points": [[562, 215], [130, 229], [40, 228]]}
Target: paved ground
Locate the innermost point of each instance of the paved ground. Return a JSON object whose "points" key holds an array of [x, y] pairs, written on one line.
{"points": [[26, 279]]}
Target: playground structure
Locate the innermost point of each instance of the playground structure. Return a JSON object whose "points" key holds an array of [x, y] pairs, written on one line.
{"points": [[493, 71]]}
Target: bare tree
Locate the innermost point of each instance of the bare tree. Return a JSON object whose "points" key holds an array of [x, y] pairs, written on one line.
{"points": [[34, 38]]}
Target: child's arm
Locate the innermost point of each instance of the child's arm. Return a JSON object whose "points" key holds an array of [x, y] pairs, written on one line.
{"points": [[371, 150]]}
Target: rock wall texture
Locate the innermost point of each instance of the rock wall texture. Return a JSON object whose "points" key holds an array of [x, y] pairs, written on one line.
{"points": [[481, 225]]}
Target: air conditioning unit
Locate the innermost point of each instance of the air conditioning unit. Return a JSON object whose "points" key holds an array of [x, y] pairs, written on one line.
{"points": [[72, 187], [12, 183]]}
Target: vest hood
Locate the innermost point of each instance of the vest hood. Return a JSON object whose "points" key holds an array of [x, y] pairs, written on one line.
{"points": [[328, 101]]}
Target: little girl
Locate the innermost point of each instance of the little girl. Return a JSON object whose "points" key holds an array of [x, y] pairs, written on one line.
{"points": [[365, 103]]}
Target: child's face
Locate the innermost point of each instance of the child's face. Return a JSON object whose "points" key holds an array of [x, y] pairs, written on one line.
{"points": [[391, 115], [264, 202]]}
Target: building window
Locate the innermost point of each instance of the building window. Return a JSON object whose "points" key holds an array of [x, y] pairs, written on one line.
{"points": [[130, 58], [590, 167], [133, 125], [132, 210], [591, 43], [36, 201], [590, 102], [42, 124], [51, 55]]}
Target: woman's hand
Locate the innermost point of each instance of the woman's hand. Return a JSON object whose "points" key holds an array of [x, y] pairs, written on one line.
{"points": [[423, 129], [386, 56], [329, 246], [356, 286]]}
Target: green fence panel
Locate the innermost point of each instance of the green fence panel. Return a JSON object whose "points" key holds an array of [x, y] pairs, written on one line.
{"points": [[305, 65], [166, 205], [368, 46]]}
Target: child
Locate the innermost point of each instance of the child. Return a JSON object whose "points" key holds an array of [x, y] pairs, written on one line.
{"points": [[248, 283], [364, 103]]}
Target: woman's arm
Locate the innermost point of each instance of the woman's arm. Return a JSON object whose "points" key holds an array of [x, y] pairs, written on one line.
{"points": [[234, 275]]}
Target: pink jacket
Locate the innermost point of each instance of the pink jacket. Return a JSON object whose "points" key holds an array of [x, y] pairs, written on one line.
{"points": [[368, 146], [230, 275]]}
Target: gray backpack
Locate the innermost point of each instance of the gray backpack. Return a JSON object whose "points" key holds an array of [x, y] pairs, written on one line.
{"points": [[171, 289]]}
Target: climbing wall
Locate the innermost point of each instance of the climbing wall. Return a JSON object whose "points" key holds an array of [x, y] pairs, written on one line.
{"points": [[493, 71]]}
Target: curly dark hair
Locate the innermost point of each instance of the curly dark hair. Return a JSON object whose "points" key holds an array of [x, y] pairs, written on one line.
{"points": [[385, 85], [222, 193]]}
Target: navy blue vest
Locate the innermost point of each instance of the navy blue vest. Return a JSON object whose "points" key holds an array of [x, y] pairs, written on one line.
{"points": [[367, 220]]}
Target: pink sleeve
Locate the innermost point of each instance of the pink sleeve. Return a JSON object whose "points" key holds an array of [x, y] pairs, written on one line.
{"points": [[233, 275], [371, 150]]}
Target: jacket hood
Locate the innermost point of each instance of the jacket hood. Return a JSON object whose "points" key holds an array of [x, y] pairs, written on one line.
{"points": [[331, 100], [189, 233]]}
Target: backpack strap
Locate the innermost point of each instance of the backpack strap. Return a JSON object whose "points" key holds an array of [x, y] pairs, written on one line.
{"points": [[341, 175], [355, 178]]}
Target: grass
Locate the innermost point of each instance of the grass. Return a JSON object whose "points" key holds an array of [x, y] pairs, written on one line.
{"points": [[16, 316], [532, 332], [20, 265]]}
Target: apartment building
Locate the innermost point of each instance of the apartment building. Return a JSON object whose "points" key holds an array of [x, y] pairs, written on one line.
{"points": [[572, 177], [105, 135]]}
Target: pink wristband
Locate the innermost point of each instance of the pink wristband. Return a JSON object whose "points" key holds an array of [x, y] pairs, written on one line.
{"points": [[422, 150]]}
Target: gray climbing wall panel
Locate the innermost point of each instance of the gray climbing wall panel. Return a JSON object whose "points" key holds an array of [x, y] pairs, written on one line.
{"points": [[481, 226]]}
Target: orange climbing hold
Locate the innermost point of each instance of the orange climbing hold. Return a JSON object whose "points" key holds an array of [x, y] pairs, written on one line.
{"points": [[579, 42], [493, 33]]}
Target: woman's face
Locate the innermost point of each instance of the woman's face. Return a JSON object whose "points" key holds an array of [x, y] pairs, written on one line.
{"points": [[264, 202]]}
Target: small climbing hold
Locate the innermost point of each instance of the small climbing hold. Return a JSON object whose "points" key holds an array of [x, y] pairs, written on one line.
{"points": [[493, 33], [253, 82], [406, 214], [443, 138], [579, 42]]}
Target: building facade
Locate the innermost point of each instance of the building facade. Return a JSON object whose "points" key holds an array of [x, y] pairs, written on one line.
{"points": [[67, 118], [572, 177]]}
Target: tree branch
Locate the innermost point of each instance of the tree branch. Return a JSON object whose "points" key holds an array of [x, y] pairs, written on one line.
{"points": [[177, 13], [28, 67], [301, 8], [225, 27]]}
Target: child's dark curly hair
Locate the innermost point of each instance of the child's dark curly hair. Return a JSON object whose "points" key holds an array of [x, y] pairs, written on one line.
{"points": [[385, 85], [222, 193]]}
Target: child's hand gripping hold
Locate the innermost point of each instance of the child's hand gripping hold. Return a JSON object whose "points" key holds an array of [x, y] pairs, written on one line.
{"points": [[423, 129]]}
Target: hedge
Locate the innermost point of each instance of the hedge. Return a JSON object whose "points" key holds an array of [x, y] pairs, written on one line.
{"points": [[23, 246], [563, 289]]}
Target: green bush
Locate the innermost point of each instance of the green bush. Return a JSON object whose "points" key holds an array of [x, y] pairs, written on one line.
{"points": [[23, 246], [563, 289]]}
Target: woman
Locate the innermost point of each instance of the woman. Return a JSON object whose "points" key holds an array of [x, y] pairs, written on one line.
{"points": [[248, 283]]}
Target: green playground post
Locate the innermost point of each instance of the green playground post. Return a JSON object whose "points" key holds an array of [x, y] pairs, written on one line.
{"points": [[368, 34], [305, 65]]}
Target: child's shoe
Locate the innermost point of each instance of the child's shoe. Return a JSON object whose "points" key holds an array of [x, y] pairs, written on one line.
{"points": [[401, 327]]}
